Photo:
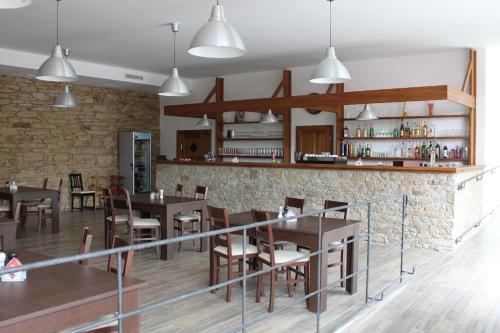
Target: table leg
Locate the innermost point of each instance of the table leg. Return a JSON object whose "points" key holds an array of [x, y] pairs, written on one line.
{"points": [[167, 232], [131, 302], [352, 262], [56, 222], [204, 226], [313, 276]]}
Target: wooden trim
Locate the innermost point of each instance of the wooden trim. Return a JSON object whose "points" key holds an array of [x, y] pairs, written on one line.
{"points": [[472, 119], [468, 74], [331, 87], [210, 95], [326, 101], [287, 117], [339, 124], [219, 119]]}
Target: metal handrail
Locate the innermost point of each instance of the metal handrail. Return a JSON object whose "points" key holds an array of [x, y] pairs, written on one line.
{"points": [[477, 177], [244, 325]]}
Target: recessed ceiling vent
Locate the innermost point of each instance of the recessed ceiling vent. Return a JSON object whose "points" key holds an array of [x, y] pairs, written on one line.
{"points": [[134, 77]]}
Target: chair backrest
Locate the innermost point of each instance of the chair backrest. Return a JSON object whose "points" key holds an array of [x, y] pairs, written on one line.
{"points": [[335, 204], [106, 193], [75, 181], [219, 219], [201, 192], [45, 182], [264, 235], [295, 203], [127, 257], [17, 211], [178, 190], [85, 244], [59, 193], [129, 208]]}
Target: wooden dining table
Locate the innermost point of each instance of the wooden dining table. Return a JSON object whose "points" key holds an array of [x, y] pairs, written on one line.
{"points": [[33, 193], [8, 231], [63, 296], [166, 209], [305, 232]]}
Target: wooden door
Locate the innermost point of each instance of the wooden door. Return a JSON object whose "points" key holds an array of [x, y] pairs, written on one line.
{"points": [[314, 139], [194, 144]]}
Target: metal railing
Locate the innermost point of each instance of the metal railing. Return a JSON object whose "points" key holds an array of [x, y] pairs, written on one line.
{"points": [[245, 323], [477, 177]]}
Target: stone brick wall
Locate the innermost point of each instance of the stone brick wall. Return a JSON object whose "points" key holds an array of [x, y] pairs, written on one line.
{"points": [[431, 196], [38, 140]]}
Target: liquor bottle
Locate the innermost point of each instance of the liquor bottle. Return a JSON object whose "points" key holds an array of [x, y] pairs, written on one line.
{"points": [[445, 152], [417, 151], [351, 150], [402, 153], [358, 132], [466, 153], [365, 132], [363, 150], [425, 130], [342, 150], [407, 130], [438, 150], [372, 131], [346, 132], [402, 130], [368, 151], [429, 149], [395, 132], [423, 152]]}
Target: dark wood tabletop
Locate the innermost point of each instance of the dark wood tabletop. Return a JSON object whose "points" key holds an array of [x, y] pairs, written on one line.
{"points": [[48, 291], [26, 189]]}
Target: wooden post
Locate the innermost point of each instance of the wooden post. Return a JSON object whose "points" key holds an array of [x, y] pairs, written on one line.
{"points": [[472, 118], [219, 116], [287, 117], [339, 128]]}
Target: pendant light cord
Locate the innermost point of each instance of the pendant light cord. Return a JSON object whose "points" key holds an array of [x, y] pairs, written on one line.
{"points": [[330, 21], [57, 23], [174, 47]]}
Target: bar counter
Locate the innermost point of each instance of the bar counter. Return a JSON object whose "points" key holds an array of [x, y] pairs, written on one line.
{"points": [[437, 212]]}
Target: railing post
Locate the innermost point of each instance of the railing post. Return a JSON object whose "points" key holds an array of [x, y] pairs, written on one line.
{"points": [[120, 290], [368, 248], [403, 219], [244, 302], [318, 282]]}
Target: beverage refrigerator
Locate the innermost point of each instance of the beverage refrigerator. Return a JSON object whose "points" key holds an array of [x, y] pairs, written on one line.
{"points": [[135, 161]]}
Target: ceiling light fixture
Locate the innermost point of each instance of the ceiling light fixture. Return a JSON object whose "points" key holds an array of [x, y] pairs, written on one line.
{"points": [[203, 122], [13, 4], [217, 38], [57, 68], [66, 99], [174, 85], [330, 70], [269, 118], [367, 114]]}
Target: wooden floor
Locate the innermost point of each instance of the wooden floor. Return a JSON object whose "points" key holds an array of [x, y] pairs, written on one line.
{"points": [[450, 292]]}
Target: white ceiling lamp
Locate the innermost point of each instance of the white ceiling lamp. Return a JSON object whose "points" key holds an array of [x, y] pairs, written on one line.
{"points": [[269, 118], [57, 68], [66, 99], [330, 70], [203, 122], [174, 85], [13, 4], [217, 38], [367, 114]]}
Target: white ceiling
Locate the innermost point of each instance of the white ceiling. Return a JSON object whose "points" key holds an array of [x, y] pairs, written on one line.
{"points": [[277, 33]]}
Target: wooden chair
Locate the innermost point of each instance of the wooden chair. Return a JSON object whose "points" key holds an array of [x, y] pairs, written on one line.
{"points": [[4, 209], [112, 220], [77, 191], [43, 207], [222, 246], [338, 246], [269, 256], [178, 190], [97, 183], [85, 244], [30, 206], [298, 204], [142, 229], [180, 220]]}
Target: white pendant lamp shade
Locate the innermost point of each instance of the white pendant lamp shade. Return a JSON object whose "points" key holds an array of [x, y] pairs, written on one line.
{"points": [[174, 85], [269, 118], [66, 99], [217, 38], [203, 122], [57, 68], [330, 70], [367, 114], [12, 4]]}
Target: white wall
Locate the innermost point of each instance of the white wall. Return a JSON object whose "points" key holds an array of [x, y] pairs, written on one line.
{"points": [[491, 116], [408, 71]]}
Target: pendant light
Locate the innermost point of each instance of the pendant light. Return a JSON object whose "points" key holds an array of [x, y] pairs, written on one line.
{"points": [[217, 38], [66, 99], [203, 122], [269, 118], [367, 114], [174, 85], [13, 4], [330, 70], [56, 68]]}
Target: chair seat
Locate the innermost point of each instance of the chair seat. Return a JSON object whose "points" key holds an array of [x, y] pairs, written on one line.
{"points": [[281, 243], [187, 217], [4, 209], [118, 218], [44, 206], [145, 223], [336, 246], [237, 249], [282, 256], [82, 192]]}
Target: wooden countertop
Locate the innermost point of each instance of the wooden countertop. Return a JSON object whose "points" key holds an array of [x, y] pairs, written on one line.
{"points": [[328, 166]]}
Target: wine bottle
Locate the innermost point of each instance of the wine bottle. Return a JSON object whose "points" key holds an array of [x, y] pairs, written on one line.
{"points": [[402, 130], [445, 152], [438, 150], [423, 152]]}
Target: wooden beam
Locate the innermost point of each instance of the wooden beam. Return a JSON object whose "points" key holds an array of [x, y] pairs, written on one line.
{"points": [[472, 118], [330, 88], [209, 96], [467, 74], [287, 117], [339, 128], [219, 119]]}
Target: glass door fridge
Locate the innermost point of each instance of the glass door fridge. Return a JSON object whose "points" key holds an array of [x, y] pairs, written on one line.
{"points": [[135, 161]]}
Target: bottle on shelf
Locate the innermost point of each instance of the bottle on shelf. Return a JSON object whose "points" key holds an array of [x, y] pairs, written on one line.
{"points": [[425, 130], [466, 153], [423, 152], [363, 150], [407, 130], [351, 149], [438, 150], [365, 132], [372, 131], [346, 132], [445, 152], [431, 147], [402, 153], [432, 156], [368, 151], [417, 151], [358, 132], [402, 130], [410, 152]]}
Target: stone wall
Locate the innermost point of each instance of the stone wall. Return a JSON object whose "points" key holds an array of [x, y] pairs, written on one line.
{"points": [[38, 140], [431, 208]]}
